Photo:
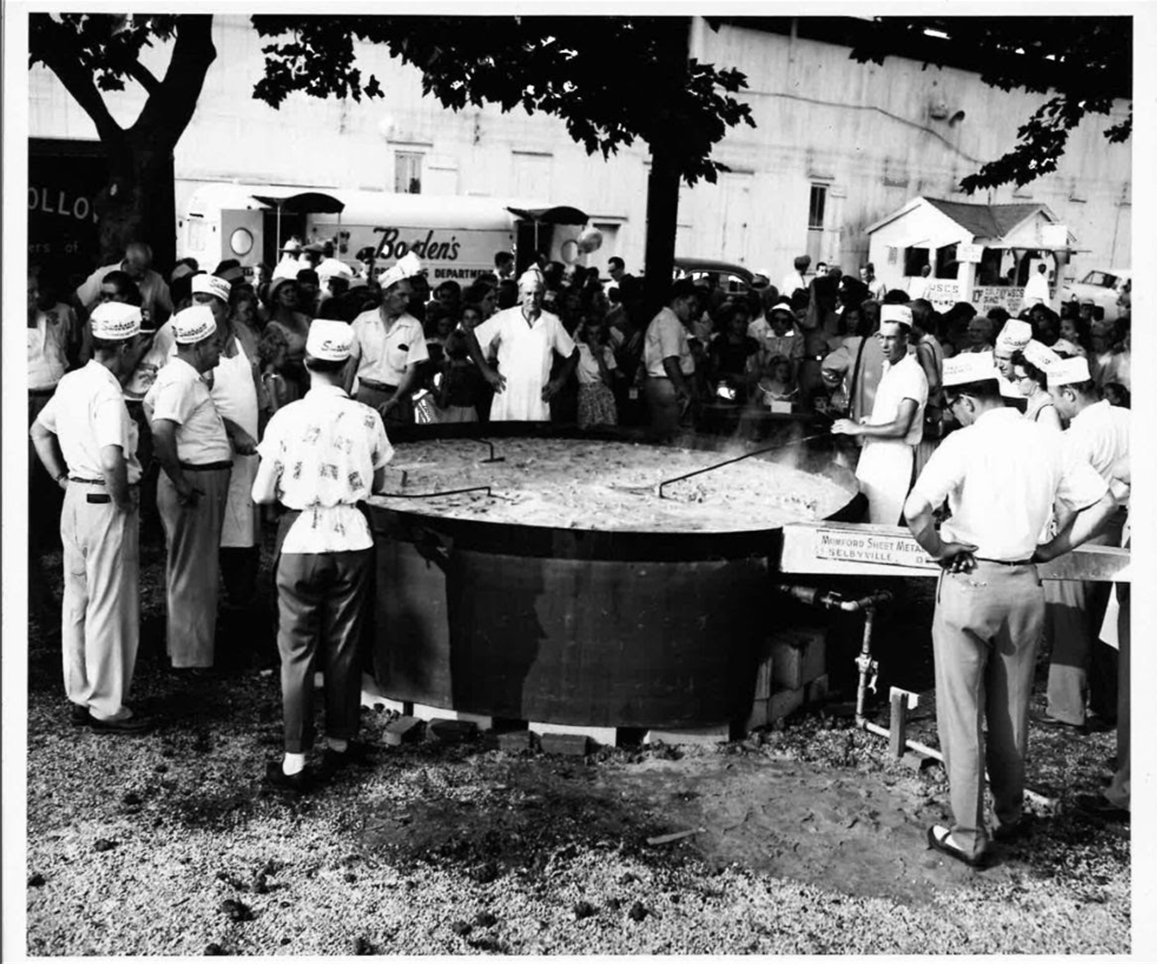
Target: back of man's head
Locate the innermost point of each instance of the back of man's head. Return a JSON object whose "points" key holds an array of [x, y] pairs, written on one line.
{"points": [[802, 263]]}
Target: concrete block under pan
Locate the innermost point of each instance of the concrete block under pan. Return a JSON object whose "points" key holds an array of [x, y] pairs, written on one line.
{"points": [[701, 735], [603, 735], [424, 712]]}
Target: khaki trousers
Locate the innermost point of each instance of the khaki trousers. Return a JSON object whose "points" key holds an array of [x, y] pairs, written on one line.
{"points": [[1080, 668], [100, 616], [321, 600], [192, 568], [984, 635]]}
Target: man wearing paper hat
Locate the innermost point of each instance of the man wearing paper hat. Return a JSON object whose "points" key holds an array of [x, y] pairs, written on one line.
{"points": [[527, 338], [87, 442], [389, 346], [193, 449], [1001, 475], [1097, 435], [1013, 336], [896, 424], [324, 567], [233, 388]]}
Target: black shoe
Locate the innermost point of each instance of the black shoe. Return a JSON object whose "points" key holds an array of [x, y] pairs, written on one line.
{"points": [[1052, 723], [1010, 832], [130, 726], [78, 715], [356, 754], [1096, 805], [938, 840], [277, 779]]}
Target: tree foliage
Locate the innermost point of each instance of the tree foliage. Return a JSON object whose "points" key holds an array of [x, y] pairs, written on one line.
{"points": [[1083, 63], [609, 79]]}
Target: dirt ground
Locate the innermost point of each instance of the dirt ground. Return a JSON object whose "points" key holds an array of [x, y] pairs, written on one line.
{"points": [[808, 839]]}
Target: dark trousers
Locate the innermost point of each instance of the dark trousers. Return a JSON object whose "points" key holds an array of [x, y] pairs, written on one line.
{"points": [[239, 573], [320, 598]]}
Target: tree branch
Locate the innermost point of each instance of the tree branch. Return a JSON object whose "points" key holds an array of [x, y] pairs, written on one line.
{"points": [[142, 75], [57, 48], [173, 100]]}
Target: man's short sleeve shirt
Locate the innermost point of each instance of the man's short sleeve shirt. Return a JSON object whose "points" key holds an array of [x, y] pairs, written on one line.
{"points": [[180, 395]]}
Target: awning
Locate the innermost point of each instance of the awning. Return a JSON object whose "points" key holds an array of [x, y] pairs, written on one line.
{"points": [[306, 202], [555, 215]]}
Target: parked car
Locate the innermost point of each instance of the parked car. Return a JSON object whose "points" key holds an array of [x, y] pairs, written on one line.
{"points": [[1102, 285], [731, 278]]}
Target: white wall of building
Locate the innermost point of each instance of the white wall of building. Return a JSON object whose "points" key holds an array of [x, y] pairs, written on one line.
{"points": [[865, 134]]}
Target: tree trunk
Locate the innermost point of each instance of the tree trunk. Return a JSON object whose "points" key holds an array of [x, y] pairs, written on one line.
{"points": [[662, 223], [137, 203]]}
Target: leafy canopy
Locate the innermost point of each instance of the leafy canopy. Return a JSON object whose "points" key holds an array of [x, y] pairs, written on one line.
{"points": [[610, 79], [1085, 63]]}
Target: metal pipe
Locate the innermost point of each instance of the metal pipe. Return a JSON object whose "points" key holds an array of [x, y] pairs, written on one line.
{"points": [[500, 458], [911, 744], [739, 458], [866, 666], [433, 495]]}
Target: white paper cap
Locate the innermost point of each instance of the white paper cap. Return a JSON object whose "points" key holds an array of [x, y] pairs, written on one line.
{"points": [[1040, 356], [193, 324], [332, 268], [1069, 371], [407, 267], [531, 280], [1065, 348], [207, 284], [329, 340], [1014, 335], [782, 306], [969, 366], [114, 321], [896, 314]]}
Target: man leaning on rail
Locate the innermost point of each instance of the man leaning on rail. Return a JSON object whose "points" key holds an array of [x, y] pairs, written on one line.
{"points": [[1001, 475]]}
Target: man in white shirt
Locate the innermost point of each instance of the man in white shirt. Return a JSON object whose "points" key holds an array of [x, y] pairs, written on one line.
{"points": [[667, 359], [137, 264], [918, 287], [794, 279], [388, 347], [1036, 292], [194, 453], [1079, 669], [896, 425], [876, 288], [320, 457], [1001, 475], [527, 340], [87, 442]]}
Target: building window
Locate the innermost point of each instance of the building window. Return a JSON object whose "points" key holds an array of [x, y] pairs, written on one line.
{"points": [[407, 172], [815, 214], [946, 263], [914, 261]]}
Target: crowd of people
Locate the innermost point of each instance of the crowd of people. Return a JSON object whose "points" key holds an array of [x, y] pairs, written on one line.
{"points": [[209, 395]]}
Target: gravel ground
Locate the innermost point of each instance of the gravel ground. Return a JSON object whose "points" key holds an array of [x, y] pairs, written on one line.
{"points": [[810, 842]]}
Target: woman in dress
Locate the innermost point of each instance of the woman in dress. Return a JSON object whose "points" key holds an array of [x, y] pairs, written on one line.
{"points": [[596, 399], [282, 347], [1031, 383]]}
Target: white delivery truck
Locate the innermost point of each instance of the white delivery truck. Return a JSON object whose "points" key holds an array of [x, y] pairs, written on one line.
{"points": [[456, 237]]}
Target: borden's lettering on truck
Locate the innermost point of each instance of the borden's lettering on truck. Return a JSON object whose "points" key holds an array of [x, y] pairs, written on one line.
{"points": [[459, 255]]}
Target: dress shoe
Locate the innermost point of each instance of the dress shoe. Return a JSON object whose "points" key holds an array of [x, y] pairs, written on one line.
{"points": [[939, 838], [277, 779], [357, 754], [1052, 723], [78, 715], [129, 726], [1096, 805]]}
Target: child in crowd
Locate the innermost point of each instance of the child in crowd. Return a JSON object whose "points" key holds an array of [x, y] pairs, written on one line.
{"points": [[596, 399], [776, 383], [459, 383]]}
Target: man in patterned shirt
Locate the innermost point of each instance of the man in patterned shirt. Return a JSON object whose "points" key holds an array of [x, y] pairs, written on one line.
{"points": [[320, 457]]}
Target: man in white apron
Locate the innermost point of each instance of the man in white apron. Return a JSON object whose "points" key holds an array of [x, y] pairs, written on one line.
{"points": [[896, 425], [526, 337], [233, 388]]}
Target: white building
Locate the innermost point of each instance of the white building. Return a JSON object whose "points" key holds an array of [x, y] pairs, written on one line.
{"points": [[838, 145]]}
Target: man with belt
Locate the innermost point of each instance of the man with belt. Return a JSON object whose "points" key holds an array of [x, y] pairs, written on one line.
{"points": [[526, 338], [1001, 475], [667, 359], [87, 442], [196, 458], [321, 456], [896, 424], [389, 346], [1097, 435]]}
